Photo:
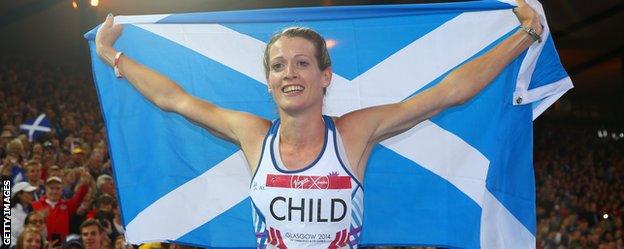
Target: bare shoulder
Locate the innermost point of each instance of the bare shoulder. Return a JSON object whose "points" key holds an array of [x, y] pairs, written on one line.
{"points": [[358, 125], [250, 131], [249, 127], [356, 132]]}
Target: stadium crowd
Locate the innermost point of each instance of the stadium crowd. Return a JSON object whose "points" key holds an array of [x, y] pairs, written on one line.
{"points": [[63, 195], [580, 198]]}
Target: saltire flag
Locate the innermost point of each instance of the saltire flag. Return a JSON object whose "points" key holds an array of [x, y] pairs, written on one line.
{"points": [[462, 179], [36, 127]]}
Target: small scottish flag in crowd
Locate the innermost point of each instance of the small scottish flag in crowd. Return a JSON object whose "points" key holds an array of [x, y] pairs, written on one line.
{"points": [[463, 179], [36, 127]]}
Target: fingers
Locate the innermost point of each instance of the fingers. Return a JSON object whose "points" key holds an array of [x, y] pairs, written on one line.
{"points": [[117, 28], [521, 4], [527, 16], [53, 244], [109, 24], [109, 20], [106, 36], [82, 174]]}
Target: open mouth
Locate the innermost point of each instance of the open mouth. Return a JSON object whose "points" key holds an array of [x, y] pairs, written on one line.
{"points": [[290, 89]]}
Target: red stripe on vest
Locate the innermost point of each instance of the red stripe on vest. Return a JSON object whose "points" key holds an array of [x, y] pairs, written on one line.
{"points": [[308, 182], [272, 239], [345, 239], [281, 244], [337, 239]]}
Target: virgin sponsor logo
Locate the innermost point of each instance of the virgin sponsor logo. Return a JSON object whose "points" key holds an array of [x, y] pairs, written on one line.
{"points": [[308, 182]]}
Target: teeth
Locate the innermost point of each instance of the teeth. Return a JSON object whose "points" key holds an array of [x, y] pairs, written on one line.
{"points": [[292, 88]]}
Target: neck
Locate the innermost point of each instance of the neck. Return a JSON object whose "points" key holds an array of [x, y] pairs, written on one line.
{"points": [[51, 202], [302, 130]]}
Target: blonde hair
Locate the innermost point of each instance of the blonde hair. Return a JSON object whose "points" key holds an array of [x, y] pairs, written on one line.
{"points": [[32, 163], [22, 236], [321, 54], [15, 146]]}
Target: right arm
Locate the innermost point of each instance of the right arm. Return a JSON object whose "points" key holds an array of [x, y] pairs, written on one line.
{"points": [[244, 129], [167, 95]]}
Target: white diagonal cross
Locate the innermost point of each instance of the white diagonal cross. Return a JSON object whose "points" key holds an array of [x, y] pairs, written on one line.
{"points": [[233, 49], [35, 127]]}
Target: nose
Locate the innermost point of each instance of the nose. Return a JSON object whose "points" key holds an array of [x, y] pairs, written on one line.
{"points": [[291, 71]]}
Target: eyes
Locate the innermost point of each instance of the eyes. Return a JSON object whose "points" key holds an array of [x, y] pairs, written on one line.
{"points": [[277, 67], [302, 64], [280, 66]]}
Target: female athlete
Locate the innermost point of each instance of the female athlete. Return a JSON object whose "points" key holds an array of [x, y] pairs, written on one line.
{"points": [[306, 189]]}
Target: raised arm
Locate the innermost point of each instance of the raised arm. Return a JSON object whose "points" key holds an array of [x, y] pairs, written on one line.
{"points": [[363, 128], [459, 86], [244, 129], [166, 94]]}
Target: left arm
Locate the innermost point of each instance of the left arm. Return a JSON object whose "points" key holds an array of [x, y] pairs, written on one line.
{"points": [[456, 88], [76, 200], [362, 129], [459, 86]]}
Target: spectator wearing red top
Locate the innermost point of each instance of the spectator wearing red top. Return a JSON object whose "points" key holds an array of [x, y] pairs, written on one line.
{"points": [[57, 210]]}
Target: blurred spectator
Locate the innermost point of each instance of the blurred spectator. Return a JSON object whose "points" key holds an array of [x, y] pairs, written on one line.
{"points": [[33, 175], [106, 185], [36, 221], [13, 160], [579, 177], [57, 210], [93, 236], [120, 243], [55, 170], [30, 239], [580, 190], [5, 137], [104, 213], [21, 200], [73, 242]]}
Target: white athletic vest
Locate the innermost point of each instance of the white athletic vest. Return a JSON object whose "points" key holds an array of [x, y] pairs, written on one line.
{"points": [[319, 206]]}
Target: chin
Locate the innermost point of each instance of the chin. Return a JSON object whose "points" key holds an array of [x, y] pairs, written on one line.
{"points": [[291, 106]]}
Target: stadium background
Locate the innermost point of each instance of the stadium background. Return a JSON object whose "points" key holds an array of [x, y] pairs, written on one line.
{"points": [[579, 141]]}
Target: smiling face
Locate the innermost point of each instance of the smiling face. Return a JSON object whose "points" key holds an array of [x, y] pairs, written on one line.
{"points": [[295, 79], [36, 221], [91, 237], [54, 191], [25, 198], [32, 240]]}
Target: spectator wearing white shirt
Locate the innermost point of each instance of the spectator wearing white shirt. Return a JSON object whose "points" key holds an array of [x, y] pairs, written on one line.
{"points": [[22, 198]]}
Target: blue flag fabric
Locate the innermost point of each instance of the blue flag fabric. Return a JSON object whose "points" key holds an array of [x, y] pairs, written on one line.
{"points": [[36, 127], [463, 179]]}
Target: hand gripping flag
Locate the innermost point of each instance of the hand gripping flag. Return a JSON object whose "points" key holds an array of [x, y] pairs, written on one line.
{"points": [[463, 179]]}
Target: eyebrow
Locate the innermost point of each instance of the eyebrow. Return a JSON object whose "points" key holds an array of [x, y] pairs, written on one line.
{"points": [[296, 55]]}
